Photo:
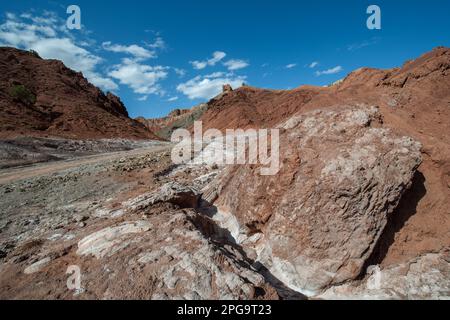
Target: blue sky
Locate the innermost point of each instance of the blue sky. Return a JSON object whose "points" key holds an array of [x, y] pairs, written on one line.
{"points": [[161, 55]]}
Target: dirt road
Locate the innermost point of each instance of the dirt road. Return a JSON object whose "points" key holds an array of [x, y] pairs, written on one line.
{"points": [[26, 172]]}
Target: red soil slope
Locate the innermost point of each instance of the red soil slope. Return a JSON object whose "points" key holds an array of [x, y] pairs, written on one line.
{"points": [[57, 102]]}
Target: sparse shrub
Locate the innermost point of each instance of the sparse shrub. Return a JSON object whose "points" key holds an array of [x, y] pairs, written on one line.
{"points": [[34, 53], [22, 94]]}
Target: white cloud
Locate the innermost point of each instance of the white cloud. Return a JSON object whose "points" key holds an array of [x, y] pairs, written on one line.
{"points": [[216, 75], [199, 64], [172, 99], [180, 72], [26, 16], [10, 16], [290, 66], [365, 43], [143, 79], [314, 64], [43, 34], [143, 98], [158, 44], [102, 82], [334, 70], [209, 86], [17, 33], [235, 64], [217, 56], [137, 51]]}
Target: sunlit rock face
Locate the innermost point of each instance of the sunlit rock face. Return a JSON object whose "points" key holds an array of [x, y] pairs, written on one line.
{"points": [[316, 222]]}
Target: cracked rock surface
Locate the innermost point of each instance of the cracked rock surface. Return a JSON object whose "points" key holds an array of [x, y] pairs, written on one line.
{"points": [[319, 219]]}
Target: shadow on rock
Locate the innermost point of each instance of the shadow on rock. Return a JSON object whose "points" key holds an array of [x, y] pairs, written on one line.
{"points": [[223, 238], [406, 208]]}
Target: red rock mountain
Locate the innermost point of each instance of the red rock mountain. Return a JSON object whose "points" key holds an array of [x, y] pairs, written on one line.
{"points": [[418, 93], [178, 118], [45, 98], [159, 123]]}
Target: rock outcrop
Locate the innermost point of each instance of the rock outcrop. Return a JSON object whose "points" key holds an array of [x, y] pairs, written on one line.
{"points": [[173, 248], [414, 101], [183, 196], [424, 277], [318, 220], [226, 88], [170, 258]]}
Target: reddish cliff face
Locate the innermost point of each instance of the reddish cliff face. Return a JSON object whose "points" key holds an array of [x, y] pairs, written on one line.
{"points": [[157, 124], [249, 107], [44, 98]]}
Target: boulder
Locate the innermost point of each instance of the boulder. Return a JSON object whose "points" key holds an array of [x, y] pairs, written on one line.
{"points": [[341, 176]]}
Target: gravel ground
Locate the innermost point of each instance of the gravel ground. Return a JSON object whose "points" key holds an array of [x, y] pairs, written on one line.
{"points": [[26, 151]]}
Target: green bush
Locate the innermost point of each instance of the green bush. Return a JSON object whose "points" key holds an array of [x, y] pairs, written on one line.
{"points": [[22, 94]]}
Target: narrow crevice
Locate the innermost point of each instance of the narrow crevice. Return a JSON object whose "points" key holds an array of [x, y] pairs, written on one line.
{"points": [[222, 237]]}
